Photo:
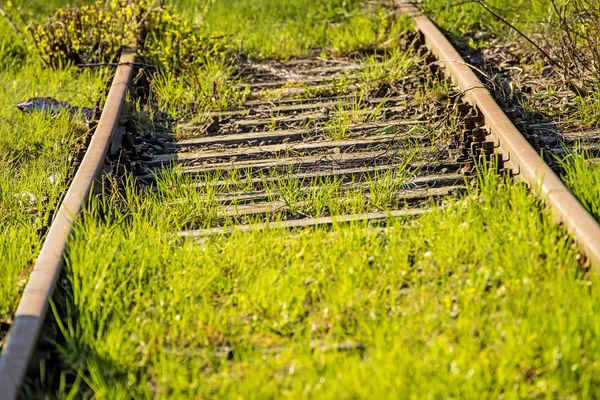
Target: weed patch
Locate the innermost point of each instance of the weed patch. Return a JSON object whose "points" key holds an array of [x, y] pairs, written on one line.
{"points": [[582, 176], [265, 313]]}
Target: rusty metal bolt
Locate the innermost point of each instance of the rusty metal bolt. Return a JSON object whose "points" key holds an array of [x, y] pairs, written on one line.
{"points": [[499, 161], [463, 109], [488, 147], [476, 116], [479, 134], [466, 135], [535, 141], [474, 147], [470, 122], [127, 142]]}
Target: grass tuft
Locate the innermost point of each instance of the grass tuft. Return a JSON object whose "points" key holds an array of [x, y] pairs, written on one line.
{"points": [[254, 314]]}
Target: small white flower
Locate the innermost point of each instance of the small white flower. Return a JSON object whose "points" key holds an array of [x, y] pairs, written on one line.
{"points": [[26, 197]]}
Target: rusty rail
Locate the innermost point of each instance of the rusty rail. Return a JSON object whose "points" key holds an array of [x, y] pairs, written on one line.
{"points": [[529, 167], [33, 307]]}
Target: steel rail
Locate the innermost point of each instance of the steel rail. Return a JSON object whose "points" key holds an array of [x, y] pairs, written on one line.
{"points": [[529, 167], [23, 336]]}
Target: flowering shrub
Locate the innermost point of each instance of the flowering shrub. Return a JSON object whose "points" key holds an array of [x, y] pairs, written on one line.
{"points": [[175, 44], [96, 34]]}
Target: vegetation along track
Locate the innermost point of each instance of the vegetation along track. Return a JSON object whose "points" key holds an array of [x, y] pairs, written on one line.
{"points": [[315, 144]]}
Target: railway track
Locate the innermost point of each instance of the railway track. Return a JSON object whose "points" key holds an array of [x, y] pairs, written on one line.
{"points": [[300, 141], [391, 150]]}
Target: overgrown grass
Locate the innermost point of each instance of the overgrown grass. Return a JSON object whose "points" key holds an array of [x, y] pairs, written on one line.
{"points": [[212, 86], [35, 152], [389, 68], [582, 176], [354, 112], [465, 18], [433, 308], [589, 108], [185, 201], [436, 90], [481, 298], [272, 29], [33, 167]]}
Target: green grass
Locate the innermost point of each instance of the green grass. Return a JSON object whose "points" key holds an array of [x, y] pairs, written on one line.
{"points": [[267, 29], [184, 201], [582, 176], [348, 113], [34, 9], [436, 307], [34, 151], [436, 90], [589, 108], [212, 86], [462, 18], [272, 29], [392, 66]]}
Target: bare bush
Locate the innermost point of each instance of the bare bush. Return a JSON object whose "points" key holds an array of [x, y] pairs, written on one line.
{"points": [[578, 47]]}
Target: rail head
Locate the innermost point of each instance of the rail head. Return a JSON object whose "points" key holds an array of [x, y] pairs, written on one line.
{"points": [[23, 336], [521, 156]]}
